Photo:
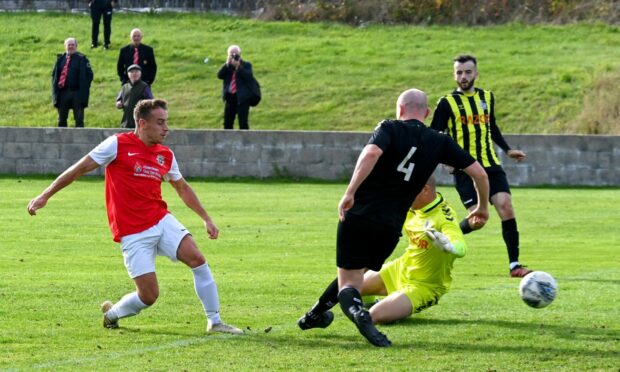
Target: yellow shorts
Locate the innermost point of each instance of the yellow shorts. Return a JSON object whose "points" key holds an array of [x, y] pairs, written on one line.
{"points": [[421, 295]]}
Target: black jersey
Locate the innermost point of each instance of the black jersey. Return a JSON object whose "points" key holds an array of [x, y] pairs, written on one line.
{"points": [[411, 153]]}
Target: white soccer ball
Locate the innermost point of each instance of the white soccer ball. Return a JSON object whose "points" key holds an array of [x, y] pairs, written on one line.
{"points": [[538, 289]]}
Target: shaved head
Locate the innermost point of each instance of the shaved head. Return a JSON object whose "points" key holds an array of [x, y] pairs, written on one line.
{"points": [[432, 182], [412, 104], [426, 195]]}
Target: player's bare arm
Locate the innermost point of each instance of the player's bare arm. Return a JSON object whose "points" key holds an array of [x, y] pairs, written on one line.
{"points": [[189, 197], [517, 155], [82, 166], [480, 214], [365, 163]]}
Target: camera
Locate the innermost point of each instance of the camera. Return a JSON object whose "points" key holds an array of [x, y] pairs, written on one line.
{"points": [[236, 57]]}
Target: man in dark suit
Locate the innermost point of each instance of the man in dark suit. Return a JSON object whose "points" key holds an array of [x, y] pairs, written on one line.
{"points": [[71, 80], [98, 9], [139, 54], [237, 78]]}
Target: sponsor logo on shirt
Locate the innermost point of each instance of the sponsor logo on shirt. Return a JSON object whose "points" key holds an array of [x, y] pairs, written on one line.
{"points": [[419, 240], [146, 171], [481, 119]]}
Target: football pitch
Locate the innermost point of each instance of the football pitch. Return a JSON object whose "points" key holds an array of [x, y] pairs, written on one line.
{"points": [[275, 254]]}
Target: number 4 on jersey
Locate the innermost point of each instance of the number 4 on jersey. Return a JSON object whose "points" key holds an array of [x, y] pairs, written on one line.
{"points": [[407, 169]]}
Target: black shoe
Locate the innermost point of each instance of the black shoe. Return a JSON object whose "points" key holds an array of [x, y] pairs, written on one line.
{"points": [[93, 46], [106, 46], [363, 321], [322, 321]]}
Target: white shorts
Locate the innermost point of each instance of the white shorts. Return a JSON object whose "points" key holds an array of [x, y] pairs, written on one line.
{"points": [[163, 239]]}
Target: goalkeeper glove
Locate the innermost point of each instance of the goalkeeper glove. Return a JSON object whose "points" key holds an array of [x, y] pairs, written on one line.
{"points": [[439, 240]]}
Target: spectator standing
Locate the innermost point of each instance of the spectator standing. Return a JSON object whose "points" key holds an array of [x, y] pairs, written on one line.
{"points": [[237, 77], [71, 78], [131, 93], [101, 9], [139, 54]]}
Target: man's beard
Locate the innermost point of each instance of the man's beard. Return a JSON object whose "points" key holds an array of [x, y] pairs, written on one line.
{"points": [[467, 86]]}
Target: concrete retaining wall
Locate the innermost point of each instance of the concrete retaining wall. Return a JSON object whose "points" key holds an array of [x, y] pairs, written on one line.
{"points": [[552, 159]]}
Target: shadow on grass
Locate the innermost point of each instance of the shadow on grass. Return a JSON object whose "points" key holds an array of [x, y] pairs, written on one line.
{"points": [[352, 342], [289, 339], [593, 280], [602, 333], [355, 342]]}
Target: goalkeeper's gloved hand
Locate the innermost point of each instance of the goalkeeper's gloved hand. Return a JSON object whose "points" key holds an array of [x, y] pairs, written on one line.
{"points": [[439, 240]]}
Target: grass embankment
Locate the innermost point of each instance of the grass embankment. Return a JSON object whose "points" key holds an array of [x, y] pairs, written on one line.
{"points": [[323, 76]]}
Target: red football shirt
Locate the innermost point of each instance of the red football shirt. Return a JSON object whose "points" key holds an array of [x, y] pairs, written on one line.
{"points": [[133, 179]]}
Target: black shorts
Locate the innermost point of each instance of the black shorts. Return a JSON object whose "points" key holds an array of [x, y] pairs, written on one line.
{"points": [[362, 243], [465, 186]]}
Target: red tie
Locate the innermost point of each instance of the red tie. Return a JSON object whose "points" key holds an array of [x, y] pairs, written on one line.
{"points": [[136, 57], [233, 83], [63, 74]]}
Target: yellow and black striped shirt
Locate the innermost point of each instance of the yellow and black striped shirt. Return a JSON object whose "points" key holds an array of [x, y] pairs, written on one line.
{"points": [[470, 121]]}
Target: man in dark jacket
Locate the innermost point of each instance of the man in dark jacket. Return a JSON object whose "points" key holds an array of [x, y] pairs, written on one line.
{"points": [[237, 78], [131, 93], [71, 80], [137, 53], [98, 9]]}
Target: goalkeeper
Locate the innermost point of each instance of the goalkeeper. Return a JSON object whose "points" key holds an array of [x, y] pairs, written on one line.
{"points": [[417, 279]]}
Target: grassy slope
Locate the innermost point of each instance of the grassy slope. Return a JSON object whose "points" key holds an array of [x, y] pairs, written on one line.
{"points": [[314, 76], [274, 256]]}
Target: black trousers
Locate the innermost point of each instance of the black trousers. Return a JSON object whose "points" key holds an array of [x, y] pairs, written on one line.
{"points": [[232, 108], [95, 15], [68, 100]]}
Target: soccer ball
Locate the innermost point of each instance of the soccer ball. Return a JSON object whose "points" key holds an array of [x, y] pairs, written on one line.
{"points": [[538, 289]]}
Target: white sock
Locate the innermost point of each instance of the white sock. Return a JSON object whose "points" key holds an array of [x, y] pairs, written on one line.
{"points": [[514, 264], [129, 305], [206, 289]]}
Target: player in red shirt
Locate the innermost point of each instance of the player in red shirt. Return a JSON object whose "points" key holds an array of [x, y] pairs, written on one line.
{"points": [[136, 163]]}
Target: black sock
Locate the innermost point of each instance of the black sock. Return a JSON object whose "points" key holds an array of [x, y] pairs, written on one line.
{"points": [[511, 238], [465, 228], [328, 299], [350, 301]]}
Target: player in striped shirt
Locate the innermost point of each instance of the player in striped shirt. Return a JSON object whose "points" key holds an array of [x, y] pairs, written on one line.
{"points": [[468, 116]]}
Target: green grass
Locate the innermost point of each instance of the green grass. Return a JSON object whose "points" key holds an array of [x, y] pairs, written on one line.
{"points": [[316, 76], [274, 256]]}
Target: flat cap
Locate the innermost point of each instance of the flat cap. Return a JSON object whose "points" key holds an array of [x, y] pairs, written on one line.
{"points": [[134, 67]]}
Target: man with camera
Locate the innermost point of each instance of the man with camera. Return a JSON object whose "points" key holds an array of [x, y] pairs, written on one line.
{"points": [[237, 78]]}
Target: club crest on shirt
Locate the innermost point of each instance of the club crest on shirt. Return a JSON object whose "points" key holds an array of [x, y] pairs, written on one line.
{"points": [[484, 105], [160, 160], [137, 168]]}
